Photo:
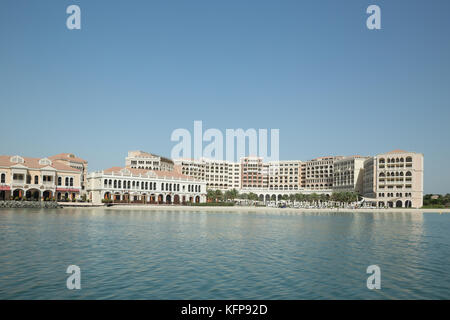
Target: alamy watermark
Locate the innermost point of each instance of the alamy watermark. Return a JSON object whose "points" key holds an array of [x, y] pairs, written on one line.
{"points": [[74, 280], [373, 22], [191, 145], [374, 280]]}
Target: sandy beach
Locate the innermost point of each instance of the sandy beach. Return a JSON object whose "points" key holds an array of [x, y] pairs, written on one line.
{"points": [[250, 209]]}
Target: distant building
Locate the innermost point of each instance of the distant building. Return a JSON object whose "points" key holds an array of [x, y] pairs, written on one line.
{"points": [[218, 174], [254, 173], [148, 161], [394, 179], [38, 179], [285, 175], [319, 173], [129, 185], [348, 174]]}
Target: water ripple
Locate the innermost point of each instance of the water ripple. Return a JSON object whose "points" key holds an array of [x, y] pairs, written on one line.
{"points": [[199, 255]]}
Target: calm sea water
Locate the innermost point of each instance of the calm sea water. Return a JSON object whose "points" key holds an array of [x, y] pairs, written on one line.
{"points": [[199, 255]]}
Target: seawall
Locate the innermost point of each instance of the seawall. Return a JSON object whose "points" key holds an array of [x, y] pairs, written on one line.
{"points": [[29, 204]]}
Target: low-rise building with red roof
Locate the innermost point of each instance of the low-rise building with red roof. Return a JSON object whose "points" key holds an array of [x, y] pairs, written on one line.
{"points": [[38, 179]]}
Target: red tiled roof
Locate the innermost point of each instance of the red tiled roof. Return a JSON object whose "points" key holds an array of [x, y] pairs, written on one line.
{"points": [[68, 157], [33, 163]]}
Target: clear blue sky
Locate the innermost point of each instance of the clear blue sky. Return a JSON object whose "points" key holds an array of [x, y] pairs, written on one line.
{"points": [[137, 70]]}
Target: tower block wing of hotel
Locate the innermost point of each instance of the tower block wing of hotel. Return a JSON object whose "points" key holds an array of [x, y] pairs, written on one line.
{"points": [[38, 179], [370, 177], [148, 161], [394, 179]]}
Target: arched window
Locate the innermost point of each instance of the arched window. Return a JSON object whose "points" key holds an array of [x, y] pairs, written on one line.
{"points": [[120, 184], [36, 180], [408, 174], [3, 178], [71, 182], [115, 183], [106, 182], [67, 181]]}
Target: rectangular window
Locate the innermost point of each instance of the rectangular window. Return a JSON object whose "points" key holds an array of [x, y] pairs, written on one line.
{"points": [[18, 177]]}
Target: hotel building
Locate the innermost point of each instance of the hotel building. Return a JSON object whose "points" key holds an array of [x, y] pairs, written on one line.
{"points": [[218, 174], [38, 179], [348, 174], [394, 179], [254, 173], [285, 175], [129, 185], [319, 173], [148, 183], [148, 161], [322, 175], [73, 161]]}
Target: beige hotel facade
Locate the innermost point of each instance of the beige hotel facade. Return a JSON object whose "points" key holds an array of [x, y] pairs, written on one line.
{"points": [[38, 179], [393, 179], [145, 179]]}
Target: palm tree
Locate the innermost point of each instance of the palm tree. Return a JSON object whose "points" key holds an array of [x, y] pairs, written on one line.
{"points": [[252, 196], [211, 195], [227, 195], [234, 194], [218, 195], [243, 196]]}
